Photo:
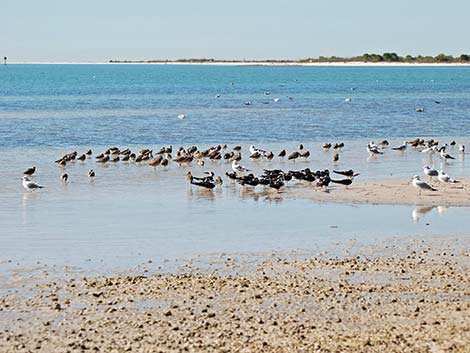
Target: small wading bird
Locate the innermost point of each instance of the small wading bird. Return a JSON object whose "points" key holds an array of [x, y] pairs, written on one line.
{"points": [[29, 171], [421, 185], [30, 185]]}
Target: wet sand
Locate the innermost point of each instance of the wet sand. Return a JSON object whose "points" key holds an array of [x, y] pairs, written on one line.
{"points": [[399, 296], [388, 192]]}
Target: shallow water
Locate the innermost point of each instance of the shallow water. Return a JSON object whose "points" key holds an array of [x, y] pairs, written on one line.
{"points": [[131, 213]]}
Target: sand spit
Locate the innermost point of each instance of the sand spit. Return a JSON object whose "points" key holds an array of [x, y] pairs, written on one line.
{"points": [[416, 299], [388, 192]]}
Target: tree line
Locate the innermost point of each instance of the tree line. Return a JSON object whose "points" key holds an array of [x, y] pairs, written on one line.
{"points": [[373, 58]]}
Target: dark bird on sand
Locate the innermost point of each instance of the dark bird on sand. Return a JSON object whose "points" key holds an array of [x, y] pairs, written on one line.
{"points": [[349, 173]]}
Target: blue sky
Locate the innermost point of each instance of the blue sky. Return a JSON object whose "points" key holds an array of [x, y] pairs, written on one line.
{"points": [[100, 30]]}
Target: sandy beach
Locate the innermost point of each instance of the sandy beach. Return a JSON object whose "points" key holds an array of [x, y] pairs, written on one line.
{"points": [[389, 192], [397, 296]]}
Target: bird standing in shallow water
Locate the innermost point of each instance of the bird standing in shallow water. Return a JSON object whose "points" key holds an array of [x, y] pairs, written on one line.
{"points": [[91, 173], [29, 171], [30, 185], [64, 177]]}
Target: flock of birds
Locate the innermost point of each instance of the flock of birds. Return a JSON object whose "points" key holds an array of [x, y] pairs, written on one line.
{"points": [[272, 178]]}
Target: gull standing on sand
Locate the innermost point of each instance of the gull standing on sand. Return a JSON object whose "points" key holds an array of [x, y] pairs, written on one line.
{"points": [[444, 178], [421, 185], [430, 172], [30, 185]]}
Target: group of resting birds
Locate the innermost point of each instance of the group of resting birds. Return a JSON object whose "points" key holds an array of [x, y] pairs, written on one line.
{"points": [[185, 156], [429, 147]]}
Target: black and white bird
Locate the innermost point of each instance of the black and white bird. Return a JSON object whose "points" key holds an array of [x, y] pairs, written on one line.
{"points": [[401, 147], [421, 185], [237, 168], [430, 172], [462, 149], [443, 153], [444, 178], [30, 185], [64, 177]]}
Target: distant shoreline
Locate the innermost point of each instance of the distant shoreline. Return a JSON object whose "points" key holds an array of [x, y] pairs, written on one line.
{"points": [[247, 63]]}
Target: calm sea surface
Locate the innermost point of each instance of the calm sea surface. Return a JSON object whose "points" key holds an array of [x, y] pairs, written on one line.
{"points": [[130, 213]]}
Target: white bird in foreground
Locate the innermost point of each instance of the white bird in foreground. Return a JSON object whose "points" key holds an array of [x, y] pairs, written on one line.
{"points": [[181, 116], [462, 149], [30, 185], [430, 172], [444, 178], [401, 147], [276, 100], [237, 168], [421, 185]]}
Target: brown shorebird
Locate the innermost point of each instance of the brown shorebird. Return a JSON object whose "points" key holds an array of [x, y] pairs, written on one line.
{"points": [[336, 157], [29, 171], [293, 156], [327, 146]]}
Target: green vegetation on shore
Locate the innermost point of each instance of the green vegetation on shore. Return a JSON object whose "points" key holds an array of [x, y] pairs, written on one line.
{"points": [[366, 58]]}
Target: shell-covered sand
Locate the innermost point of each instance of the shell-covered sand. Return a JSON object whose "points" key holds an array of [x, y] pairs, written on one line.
{"points": [[412, 297]]}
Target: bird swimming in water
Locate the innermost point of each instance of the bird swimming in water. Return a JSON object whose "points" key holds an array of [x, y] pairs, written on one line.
{"points": [[29, 171], [30, 185]]}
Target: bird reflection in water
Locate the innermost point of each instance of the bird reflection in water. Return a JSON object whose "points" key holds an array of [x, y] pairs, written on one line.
{"points": [[420, 211], [200, 194]]}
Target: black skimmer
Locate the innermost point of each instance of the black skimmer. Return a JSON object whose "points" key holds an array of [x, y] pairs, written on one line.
{"points": [[282, 154], [91, 173], [64, 177], [349, 173]]}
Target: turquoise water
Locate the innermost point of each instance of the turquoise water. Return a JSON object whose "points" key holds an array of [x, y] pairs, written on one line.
{"points": [[60, 105], [131, 213]]}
